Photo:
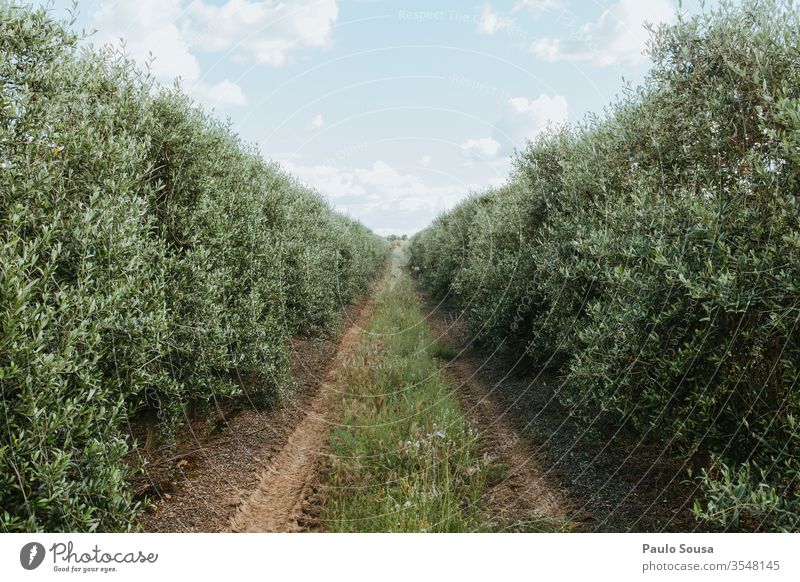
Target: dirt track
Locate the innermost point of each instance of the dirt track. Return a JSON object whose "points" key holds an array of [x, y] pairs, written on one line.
{"points": [[261, 477], [198, 483], [276, 504], [597, 483], [524, 498]]}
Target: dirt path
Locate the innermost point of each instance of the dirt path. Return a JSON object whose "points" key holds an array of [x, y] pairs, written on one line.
{"points": [[524, 497], [579, 480], [260, 473], [199, 482], [277, 502]]}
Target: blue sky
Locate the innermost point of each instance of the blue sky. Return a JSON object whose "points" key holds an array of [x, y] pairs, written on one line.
{"points": [[393, 110]]}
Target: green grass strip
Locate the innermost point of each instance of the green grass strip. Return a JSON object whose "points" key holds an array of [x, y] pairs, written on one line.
{"points": [[404, 458]]}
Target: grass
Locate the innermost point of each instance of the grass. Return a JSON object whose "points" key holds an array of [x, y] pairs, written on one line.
{"points": [[444, 352], [404, 458]]}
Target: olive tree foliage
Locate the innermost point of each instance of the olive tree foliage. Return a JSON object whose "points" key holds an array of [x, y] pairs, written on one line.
{"points": [[148, 260], [652, 256]]}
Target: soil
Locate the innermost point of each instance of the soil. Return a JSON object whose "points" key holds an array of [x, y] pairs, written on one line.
{"points": [[577, 480], [278, 503], [522, 497], [217, 474]]}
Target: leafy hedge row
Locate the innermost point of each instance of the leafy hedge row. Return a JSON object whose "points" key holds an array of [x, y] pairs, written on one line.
{"points": [[148, 259], [653, 256]]}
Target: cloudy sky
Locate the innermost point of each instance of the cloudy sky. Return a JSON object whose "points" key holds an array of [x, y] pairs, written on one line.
{"points": [[393, 110]]}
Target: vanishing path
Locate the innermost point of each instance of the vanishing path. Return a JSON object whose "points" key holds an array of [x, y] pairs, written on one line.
{"points": [[266, 475], [259, 471], [426, 447]]}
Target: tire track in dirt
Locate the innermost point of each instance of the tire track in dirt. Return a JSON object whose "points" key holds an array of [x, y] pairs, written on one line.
{"points": [[196, 482], [277, 503], [592, 479], [524, 497]]}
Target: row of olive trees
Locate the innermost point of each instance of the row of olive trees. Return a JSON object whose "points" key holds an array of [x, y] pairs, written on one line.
{"points": [[652, 256], [148, 260]]}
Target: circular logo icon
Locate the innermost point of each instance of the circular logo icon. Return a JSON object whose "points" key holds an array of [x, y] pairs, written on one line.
{"points": [[31, 555]]}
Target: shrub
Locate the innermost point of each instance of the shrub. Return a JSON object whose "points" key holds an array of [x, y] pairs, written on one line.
{"points": [[652, 255], [148, 259]]}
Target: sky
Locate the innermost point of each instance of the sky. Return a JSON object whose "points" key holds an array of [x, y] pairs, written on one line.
{"points": [[394, 111]]}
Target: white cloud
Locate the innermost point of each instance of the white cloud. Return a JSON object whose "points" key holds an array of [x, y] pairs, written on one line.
{"points": [[388, 199], [491, 22], [485, 147], [498, 181], [329, 180], [376, 188], [166, 33], [222, 94], [537, 5], [542, 110], [317, 121], [154, 33], [524, 119], [149, 27], [425, 161], [618, 36], [263, 31]]}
